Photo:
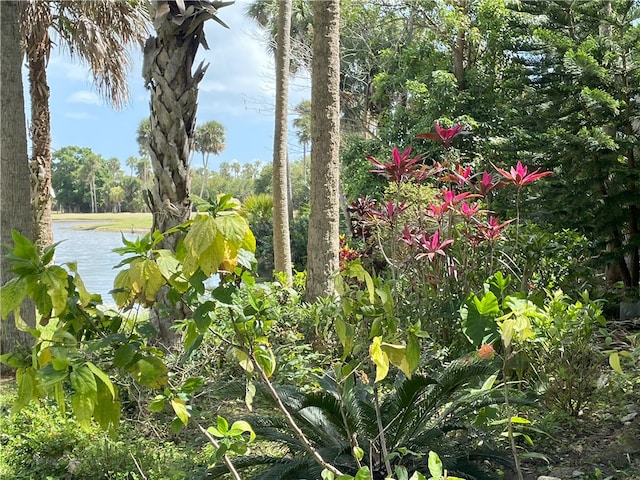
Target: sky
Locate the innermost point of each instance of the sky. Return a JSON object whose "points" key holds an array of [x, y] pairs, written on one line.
{"points": [[237, 91]]}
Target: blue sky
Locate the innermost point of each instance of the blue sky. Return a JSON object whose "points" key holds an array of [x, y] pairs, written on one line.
{"points": [[237, 91]]}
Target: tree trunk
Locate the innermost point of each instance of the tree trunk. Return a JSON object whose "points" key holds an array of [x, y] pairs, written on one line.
{"points": [[281, 240], [15, 206], [167, 70], [37, 58], [323, 244]]}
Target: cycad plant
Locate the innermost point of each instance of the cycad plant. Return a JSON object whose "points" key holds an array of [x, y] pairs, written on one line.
{"points": [[425, 413]]}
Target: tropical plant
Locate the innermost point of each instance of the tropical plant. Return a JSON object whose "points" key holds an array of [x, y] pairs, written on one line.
{"points": [[98, 33], [417, 415]]}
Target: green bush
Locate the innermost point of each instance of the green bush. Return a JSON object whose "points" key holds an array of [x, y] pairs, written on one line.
{"points": [[41, 443]]}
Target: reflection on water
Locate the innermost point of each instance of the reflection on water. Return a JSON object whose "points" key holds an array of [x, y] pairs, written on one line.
{"points": [[92, 250]]}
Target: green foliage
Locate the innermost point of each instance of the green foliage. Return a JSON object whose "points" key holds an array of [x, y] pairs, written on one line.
{"points": [[418, 415], [42, 442]]}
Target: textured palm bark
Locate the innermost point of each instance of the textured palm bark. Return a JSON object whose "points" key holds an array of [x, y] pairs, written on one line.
{"points": [[174, 90], [167, 70], [281, 240], [323, 243], [40, 129], [15, 208]]}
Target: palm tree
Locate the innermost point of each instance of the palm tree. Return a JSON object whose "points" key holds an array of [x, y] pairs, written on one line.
{"points": [[209, 139], [99, 33], [143, 136], [323, 243], [131, 163], [168, 73], [265, 13], [302, 123], [88, 172], [15, 210]]}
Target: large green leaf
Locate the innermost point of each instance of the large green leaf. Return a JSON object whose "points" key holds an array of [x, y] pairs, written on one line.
{"points": [[150, 372], [146, 277], [83, 381], [26, 380], [107, 410], [104, 378], [12, 294], [202, 231], [55, 279], [478, 318]]}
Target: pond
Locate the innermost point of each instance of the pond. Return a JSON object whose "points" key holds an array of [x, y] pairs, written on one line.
{"points": [[93, 252]]}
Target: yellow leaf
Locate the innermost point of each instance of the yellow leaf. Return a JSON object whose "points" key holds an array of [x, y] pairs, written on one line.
{"points": [[397, 355], [244, 360], [380, 358], [614, 361], [181, 410], [44, 357]]}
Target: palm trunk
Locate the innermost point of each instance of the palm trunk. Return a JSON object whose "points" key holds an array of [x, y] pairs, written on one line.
{"points": [[324, 221], [40, 164], [15, 207], [167, 69], [281, 240]]}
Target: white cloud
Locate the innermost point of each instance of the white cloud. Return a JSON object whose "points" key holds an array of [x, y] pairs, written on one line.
{"points": [[84, 96]]}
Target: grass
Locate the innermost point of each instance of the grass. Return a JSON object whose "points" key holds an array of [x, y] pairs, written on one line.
{"points": [[138, 222]]}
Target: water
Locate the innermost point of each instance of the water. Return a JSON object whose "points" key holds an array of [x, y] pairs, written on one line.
{"points": [[93, 252]]}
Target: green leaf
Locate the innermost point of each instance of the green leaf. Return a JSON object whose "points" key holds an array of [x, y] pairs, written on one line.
{"points": [[200, 234], [265, 358], [150, 372], [233, 229], [83, 406], [157, 405], [223, 425], [192, 384], [240, 427], [12, 294], [83, 381], [146, 277], [327, 475], [346, 335], [614, 362], [107, 410], [56, 282], [520, 420], [478, 318], [357, 452], [413, 351], [435, 466], [180, 408], [104, 378], [124, 355], [419, 476], [26, 380], [379, 358], [363, 474], [244, 360]]}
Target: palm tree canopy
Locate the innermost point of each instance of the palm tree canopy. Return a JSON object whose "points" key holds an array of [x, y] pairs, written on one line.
{"points": [[98, 33], [209, 138]]}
